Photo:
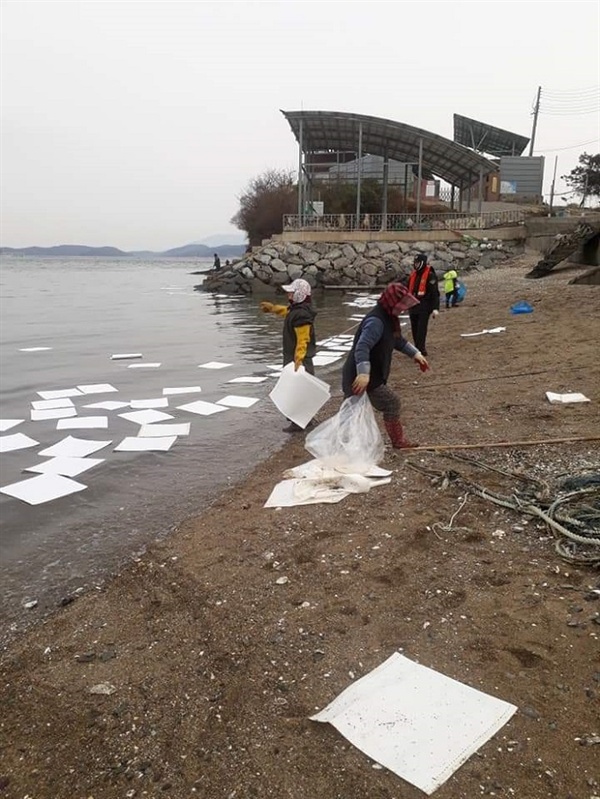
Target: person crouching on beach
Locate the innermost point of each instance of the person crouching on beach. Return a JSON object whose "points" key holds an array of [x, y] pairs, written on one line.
{"points": [[368, 364], [299, 344]]}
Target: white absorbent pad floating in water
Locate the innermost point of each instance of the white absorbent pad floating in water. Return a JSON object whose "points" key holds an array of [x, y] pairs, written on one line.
{"points": [[43, 488], [71, 447], [233, 401], [46, 405], [146, 444], [147, 416], [60, 393], [8, 424], [182, 390], [159, 430], [247, 380], [68, 467], [16, 441], [157, 402], [213, 365], [416, 722], [52, 413], [83, 423], [97, 388], [202, 408], [108, 405]]}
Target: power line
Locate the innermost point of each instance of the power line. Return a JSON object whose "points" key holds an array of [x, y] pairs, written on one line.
{"points": [[572, 92], [571, 147], [569, 113], [569, 102]]}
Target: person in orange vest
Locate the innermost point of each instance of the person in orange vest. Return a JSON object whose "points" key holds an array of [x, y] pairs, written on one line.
{"points": [[423, 284]]}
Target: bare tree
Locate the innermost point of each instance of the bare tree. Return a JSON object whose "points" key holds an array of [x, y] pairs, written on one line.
{"points": [[263, 204]]}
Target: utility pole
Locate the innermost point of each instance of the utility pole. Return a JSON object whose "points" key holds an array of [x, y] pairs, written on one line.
{"points": [[553, 182], [536, 111]]}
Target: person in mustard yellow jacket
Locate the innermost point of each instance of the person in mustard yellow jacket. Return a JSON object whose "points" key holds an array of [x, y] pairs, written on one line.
{"points": [[299, 344]]}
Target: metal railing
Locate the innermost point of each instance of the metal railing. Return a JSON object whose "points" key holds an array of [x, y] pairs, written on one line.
{"points": [[399, 222]]}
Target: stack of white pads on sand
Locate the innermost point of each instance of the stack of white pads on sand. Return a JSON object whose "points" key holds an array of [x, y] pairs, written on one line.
{"points": [[346, 448]]}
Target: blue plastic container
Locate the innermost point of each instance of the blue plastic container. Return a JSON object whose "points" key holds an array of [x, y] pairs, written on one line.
{"points": [[521, 307]]}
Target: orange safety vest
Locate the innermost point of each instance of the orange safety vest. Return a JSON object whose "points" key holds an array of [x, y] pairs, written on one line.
{"points": [[422, 288]]}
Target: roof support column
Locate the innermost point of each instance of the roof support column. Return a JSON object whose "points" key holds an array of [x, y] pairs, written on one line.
{"points": [[419, 177], [469, 193], [384, 200], [480, 200], [358, 174], [452, 188], [300, 173]]}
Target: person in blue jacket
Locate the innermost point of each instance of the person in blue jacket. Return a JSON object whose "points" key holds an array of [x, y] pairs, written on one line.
{"points": [[368, 364]]}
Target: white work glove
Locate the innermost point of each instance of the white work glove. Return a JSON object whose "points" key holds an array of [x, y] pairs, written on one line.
{"points": [[435, 314]]}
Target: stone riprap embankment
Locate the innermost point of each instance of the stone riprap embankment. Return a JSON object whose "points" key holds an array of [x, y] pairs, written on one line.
{"points": [[352, 264]]}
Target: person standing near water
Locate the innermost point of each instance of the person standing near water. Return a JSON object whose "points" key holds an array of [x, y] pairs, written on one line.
{"points": [[299, 342]]}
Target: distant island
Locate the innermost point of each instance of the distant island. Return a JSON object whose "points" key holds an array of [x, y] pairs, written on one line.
{"points": [[195, 250]]}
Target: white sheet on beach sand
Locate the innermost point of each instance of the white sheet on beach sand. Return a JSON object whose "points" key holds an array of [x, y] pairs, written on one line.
{"points": [[313, 483], [565, 399], [416, 722], [483, 332]]}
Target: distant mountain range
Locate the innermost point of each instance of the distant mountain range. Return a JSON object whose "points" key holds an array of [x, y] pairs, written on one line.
{"points": [[195, 250]]}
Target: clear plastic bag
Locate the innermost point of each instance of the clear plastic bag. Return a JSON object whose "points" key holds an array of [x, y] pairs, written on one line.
{"points": [[350, 441]]}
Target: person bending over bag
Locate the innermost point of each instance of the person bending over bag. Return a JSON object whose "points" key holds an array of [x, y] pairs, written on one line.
{"points": [[368, 364]]}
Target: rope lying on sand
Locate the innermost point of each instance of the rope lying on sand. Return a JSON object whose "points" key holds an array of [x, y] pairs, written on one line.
{"points": [[577, 532], [492, 444]]}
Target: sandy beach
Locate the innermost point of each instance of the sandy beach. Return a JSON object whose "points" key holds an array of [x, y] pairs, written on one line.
{"points": [[211, 668]]}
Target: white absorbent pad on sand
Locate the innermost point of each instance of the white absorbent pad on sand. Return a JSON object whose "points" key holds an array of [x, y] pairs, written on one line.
{"points": [[416, 722], [483, 332], [566, 398], [313, 483]]}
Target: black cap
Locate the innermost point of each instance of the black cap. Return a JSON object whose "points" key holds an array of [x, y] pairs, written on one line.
{"points": [[420, 258]]}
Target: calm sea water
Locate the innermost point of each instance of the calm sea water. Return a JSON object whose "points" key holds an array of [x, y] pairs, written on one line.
{"points": [[86, 310]]}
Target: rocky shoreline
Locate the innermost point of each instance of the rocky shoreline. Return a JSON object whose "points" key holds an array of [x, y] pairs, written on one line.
{"points": [[358, 263]]}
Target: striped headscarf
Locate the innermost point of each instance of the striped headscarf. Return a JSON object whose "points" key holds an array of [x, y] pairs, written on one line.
{"points": [[395, 299]]}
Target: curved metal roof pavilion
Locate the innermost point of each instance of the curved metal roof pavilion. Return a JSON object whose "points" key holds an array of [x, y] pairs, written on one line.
{"points": [[318, 131]]}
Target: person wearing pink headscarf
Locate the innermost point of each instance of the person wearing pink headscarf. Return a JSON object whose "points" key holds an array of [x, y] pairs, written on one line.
{"points": [[368, 365], [299, 344]]}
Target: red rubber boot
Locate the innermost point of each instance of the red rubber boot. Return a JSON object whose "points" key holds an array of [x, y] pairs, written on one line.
{"points": [[396, 434]]}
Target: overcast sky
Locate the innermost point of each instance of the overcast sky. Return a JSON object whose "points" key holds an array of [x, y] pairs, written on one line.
{"points": [[137, 124]]}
